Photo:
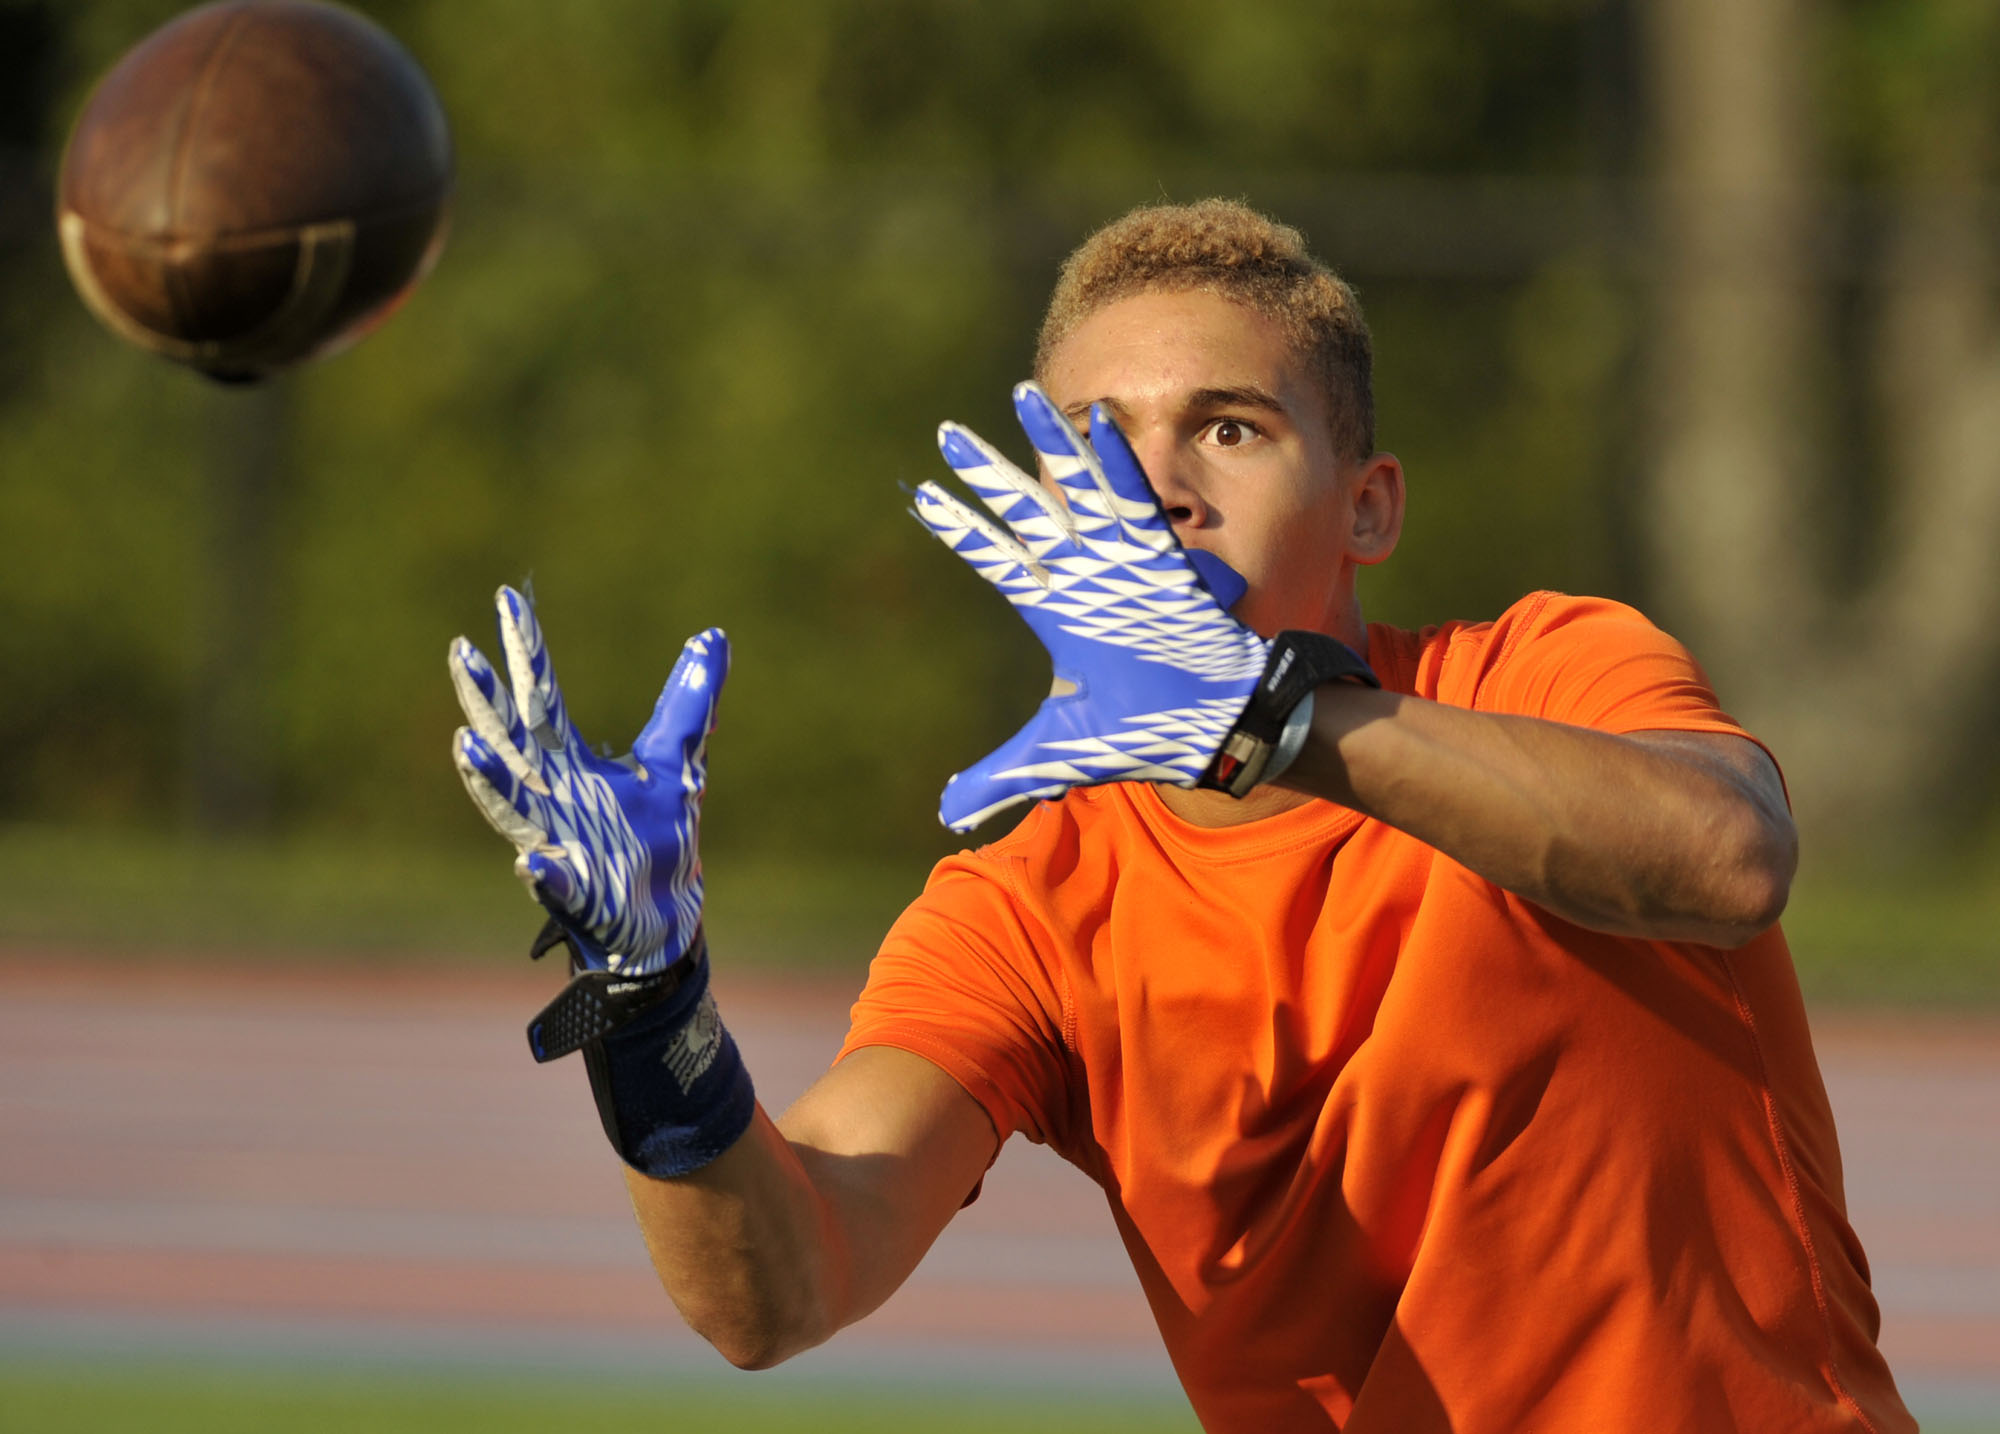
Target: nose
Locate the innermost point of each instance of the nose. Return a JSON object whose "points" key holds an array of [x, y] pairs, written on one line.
{"points": [[1175, 474]]}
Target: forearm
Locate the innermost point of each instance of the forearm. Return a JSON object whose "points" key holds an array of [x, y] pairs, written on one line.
{"points": [[767, 1240], [748, 1249], [802, 1227], [1614, 833]]}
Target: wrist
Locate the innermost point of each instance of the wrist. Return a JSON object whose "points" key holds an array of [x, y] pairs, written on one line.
{"points": [[1271, 731], [1291, 741], [1326, 764], [672, 1090]]}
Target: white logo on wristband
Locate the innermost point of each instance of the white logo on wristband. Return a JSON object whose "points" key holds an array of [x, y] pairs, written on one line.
{"points": [[695, 1045]]}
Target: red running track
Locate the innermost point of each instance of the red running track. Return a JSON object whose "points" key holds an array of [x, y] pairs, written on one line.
{"points": [[352, 1165]]}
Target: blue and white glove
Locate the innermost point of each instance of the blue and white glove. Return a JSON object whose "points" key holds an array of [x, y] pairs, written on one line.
{"points": [[609, 845], [1159, 669]]}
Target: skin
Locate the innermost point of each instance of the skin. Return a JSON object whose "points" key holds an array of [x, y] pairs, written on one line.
{"points": [[810, 1222]]}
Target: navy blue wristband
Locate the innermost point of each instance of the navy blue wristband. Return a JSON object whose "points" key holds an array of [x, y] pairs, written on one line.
{"points": [[671, 1087], [672, 1091]]}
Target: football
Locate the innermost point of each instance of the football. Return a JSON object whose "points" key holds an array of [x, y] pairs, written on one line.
{"points": [[256, 183]]}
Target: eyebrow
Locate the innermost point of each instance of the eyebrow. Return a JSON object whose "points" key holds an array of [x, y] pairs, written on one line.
{"points": [[1234, 396], [1079, 412], [1240, 396]]}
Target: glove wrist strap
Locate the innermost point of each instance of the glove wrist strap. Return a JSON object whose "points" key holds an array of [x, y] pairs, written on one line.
{"points": [[671, 1088], [597, 1002], [1272, 730]]}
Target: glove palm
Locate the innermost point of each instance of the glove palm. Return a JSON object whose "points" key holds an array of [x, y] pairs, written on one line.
{"points": [[610, 845], [1151, 669]]}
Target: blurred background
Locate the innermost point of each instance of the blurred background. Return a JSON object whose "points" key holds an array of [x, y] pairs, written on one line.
{"points": [[1686, 302]]}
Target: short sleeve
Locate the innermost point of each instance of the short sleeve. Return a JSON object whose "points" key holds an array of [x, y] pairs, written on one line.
{"points": [[1594, 663], [962, 980]]}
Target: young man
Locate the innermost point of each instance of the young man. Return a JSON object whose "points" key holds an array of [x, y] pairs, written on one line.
{"points": [[1433, 1041]]}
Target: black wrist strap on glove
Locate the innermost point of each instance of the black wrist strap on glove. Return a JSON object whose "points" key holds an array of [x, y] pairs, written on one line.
{"points": [[1300, 662], [597, 1002], [671, 1089]]}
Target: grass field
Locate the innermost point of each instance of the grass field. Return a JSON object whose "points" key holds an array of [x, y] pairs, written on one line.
{"points": [[306, 899], [150, 898], [1857, 938], [83, 1400]]}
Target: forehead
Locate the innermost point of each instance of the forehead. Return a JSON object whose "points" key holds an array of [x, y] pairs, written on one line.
{"points": [[1157, 345]]}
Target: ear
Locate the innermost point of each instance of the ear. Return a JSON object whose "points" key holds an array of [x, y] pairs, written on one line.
{"points": [[1377, 508]]}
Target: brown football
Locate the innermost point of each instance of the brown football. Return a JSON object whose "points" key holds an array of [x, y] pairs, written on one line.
{"points": [[256, 183]]}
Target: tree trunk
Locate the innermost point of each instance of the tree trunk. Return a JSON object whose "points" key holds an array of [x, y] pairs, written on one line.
{"points": [[229, 741], [1869, 691]]}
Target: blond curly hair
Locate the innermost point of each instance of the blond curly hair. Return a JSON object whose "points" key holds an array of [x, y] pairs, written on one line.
{"points": [[1224, 247]]}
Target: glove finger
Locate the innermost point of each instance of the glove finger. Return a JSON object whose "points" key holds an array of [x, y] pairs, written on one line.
{"points": [[1124, 478], [528, 796], [972, 797], [1106, 489], [993, 554], [1068, 744], [1021, 769], [489, 709], [509, 805], [1038, 520], [551, 878], [532, 673], [674, 741]]}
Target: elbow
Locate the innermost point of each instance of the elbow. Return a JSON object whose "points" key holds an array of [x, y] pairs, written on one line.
{"points": [[753, 1355], [1757, 879], [1758, 911], [752, 1347], [759, 1338]]}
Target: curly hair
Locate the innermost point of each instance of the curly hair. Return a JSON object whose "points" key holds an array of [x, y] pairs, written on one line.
{"points": [[1224, 247]]}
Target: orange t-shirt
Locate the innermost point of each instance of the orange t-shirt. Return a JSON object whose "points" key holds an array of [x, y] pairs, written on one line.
{"points": [[1393, 1150]]}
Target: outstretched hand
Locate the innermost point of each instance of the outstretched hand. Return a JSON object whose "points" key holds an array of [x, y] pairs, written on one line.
{"points": [[1151, 669], [608, 844]]}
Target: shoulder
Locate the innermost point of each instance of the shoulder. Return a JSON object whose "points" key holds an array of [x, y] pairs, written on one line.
{"points": [[1586, 660], [971, 977], [1429, 658]]}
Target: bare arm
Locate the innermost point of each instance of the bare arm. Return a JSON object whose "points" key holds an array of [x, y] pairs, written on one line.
{"points": [[1666, 835], [808, 1223]]}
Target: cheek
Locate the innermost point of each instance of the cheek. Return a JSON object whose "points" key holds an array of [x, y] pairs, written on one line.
{"points": [[1298, 514], [1303, 545]]}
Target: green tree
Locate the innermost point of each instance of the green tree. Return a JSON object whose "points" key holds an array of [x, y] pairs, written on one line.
{"points": [[717, 270]]}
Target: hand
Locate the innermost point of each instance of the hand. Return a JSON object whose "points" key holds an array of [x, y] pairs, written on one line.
{"points": [[1151, 670], [607, 844]]}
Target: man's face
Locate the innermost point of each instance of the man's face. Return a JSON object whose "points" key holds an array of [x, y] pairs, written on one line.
{"points": [[1234, 436]]}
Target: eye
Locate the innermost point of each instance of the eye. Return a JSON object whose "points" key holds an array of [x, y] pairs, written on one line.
{"points": [[1229, 432]]}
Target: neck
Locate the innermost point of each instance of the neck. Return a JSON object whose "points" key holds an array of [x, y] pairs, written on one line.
{"points": [[1218, 809]]}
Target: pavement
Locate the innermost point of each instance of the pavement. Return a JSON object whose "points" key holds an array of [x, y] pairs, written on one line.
{"points": [[349, 1168]]}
